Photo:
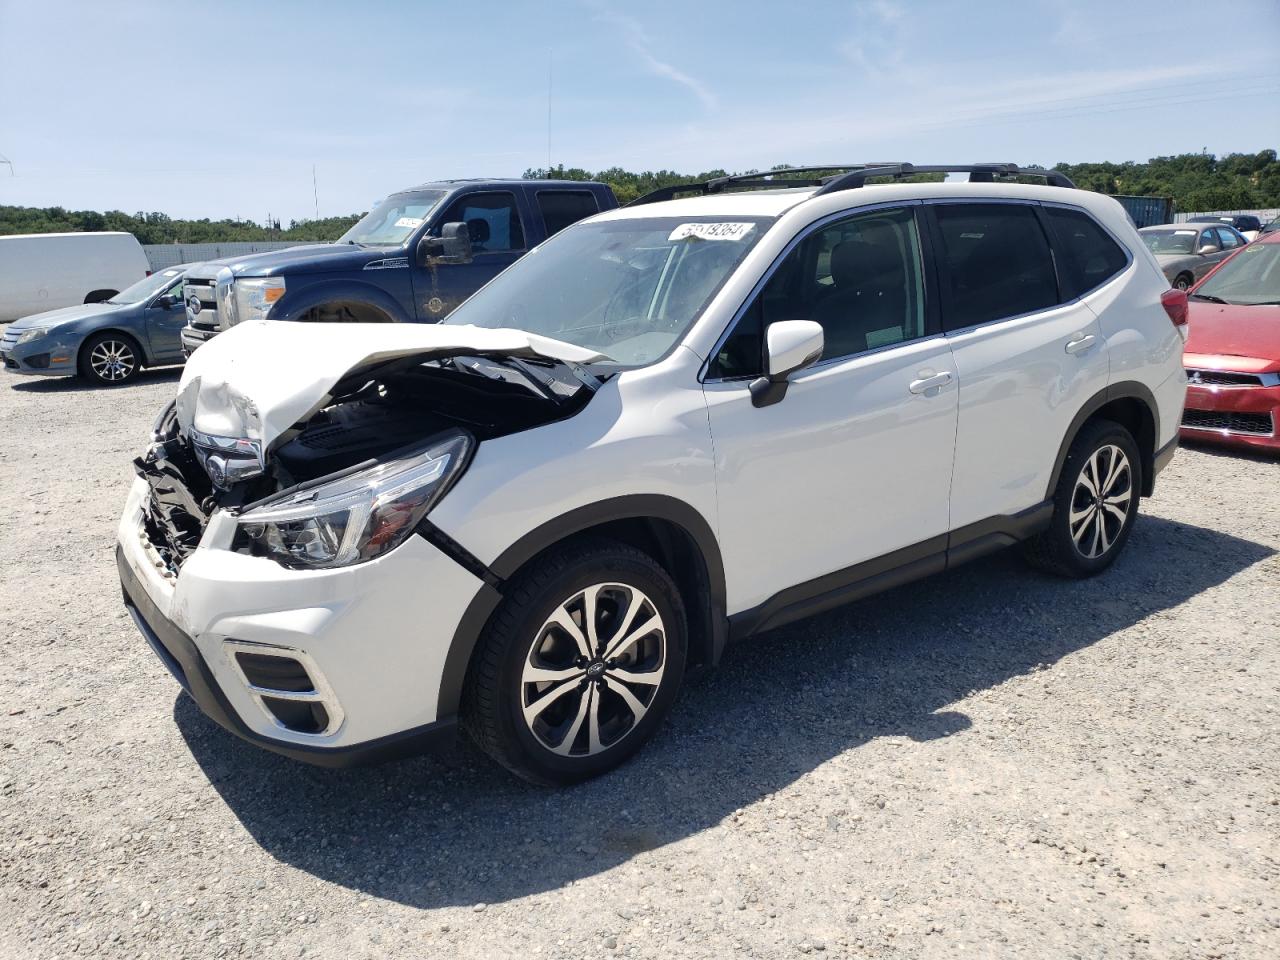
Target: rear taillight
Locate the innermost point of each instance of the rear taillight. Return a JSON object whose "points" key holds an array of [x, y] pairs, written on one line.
{"points": [[1175, 305]]}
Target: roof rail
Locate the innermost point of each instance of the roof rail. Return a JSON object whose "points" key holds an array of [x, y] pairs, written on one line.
{"points": [[756, 181], [978, 173]]}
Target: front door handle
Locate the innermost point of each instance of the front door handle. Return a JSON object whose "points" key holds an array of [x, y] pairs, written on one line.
{"points": [[1081, 344], [930, 383]]}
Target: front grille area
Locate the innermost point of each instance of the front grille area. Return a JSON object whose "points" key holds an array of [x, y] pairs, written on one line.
{"points": [[1222, 378], [207, 318], [1253, 424], [173, 515]]}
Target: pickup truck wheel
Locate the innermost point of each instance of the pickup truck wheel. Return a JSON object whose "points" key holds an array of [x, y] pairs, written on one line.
{"points": [[1095, 504], [110, 359], [579, 665]]}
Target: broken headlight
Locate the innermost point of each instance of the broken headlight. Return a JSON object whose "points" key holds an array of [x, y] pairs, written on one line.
{"points": [[355, 516], [228, 460]]}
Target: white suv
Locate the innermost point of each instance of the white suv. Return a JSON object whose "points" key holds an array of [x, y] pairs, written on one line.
{"points": [[671, 425]]}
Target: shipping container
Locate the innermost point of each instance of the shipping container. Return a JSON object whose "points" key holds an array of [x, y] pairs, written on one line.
{"points": [[1148, 211]]}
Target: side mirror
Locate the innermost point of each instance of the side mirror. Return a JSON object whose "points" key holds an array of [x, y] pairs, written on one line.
{"points": [[790, 345], [1208, 248], [452, 246], [163, 303]]}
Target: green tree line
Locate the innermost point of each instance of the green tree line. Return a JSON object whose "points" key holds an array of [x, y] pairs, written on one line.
{"points": [[1195, 181], [161, 228]]}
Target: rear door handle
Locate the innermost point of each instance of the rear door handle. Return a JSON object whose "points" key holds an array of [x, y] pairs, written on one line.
{"points": [[1081, 344], [930, 383]]}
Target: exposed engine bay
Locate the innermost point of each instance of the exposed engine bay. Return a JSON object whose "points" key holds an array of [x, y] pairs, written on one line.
{"points": [[373, 412]]}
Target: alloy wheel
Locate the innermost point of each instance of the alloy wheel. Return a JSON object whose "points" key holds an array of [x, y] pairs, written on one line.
{"points": [[593, 669], [1101, 501], [112, 361]]}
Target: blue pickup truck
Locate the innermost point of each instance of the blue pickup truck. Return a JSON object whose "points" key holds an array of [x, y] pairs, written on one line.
{"points": [[413, 258]]}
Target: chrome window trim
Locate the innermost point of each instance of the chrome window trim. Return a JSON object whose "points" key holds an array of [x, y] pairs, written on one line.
{"points": [[1130, 260], [804, 233]]}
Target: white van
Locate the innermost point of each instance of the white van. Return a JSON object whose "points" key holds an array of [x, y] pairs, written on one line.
{"points": [[45, 271]]}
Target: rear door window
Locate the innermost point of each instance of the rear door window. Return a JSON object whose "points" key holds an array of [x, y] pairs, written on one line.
{"points": [[560, 208], [1228, 239], [1087, 256], [994, 263]]}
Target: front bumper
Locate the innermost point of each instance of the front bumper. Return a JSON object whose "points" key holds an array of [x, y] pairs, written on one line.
{"points": [[1239, 416], [378, 634], [50, 356], [195, 337]]}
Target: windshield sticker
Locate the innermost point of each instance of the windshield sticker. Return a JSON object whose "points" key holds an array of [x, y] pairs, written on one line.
{"points": [[409, 222], [710, 231]]}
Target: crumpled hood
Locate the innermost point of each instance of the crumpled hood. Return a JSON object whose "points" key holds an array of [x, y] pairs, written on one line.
{"points": [[65, 315], [258, 379]]}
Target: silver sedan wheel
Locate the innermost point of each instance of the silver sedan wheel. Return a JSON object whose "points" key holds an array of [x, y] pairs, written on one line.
{"points": [[113, 360], [1101, 501], [593, 670]]}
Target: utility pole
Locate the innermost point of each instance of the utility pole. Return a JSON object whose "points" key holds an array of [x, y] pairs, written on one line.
{"points": [[315, 191], [548, 112]]}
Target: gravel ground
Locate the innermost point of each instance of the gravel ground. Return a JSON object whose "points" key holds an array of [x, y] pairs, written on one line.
{"points": [[988, 763]]}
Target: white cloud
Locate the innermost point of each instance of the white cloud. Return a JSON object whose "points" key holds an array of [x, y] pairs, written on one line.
{"points": [[641, 44]]}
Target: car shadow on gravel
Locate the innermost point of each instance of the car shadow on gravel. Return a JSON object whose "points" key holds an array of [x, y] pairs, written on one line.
{"points": [[78, 384], [456, 829]]}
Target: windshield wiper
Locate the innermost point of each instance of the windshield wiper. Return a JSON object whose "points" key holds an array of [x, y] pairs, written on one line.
{"points": [[1208, 296]]}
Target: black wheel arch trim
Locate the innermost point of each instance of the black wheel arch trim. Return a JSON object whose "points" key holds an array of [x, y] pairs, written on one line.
{"points": [[1124, 390], [632, 507], [338, 291]]}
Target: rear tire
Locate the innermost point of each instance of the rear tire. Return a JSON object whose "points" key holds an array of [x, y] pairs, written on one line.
{"points": [[1094, 505], [555, 701], [110, 359]]}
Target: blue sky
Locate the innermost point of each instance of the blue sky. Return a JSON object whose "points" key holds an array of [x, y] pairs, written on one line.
{"points": [[220, 108]]}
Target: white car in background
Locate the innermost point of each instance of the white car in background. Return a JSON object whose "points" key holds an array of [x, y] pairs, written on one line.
{"points": [[46, 271], [670, 425]]}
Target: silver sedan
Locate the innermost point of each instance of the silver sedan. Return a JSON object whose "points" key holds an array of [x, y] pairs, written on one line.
{"points": [[1187, 251]]}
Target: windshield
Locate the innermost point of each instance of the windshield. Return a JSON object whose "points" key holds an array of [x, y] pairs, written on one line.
{"points": [[392, 222], [1170, 241], [1252, 276], [627, 289], [148, 287]]}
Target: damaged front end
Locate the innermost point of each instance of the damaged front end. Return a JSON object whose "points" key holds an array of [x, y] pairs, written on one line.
{"points": [[361, 467]]}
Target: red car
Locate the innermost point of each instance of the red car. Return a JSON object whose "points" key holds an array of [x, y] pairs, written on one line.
{"points": [[1232, 353]]}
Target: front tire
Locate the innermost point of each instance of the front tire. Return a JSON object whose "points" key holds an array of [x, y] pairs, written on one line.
{"points": [[1183, 281], [1095, 504], [579, 664], [110, 359]]}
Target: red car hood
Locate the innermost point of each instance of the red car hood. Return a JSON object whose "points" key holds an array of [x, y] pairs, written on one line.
{"points": [[1230, 333]]}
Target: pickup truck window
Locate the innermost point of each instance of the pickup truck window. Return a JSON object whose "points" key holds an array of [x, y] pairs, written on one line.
{"points": [[626, 288], [492, 218], [393, 221], [560, 208]]}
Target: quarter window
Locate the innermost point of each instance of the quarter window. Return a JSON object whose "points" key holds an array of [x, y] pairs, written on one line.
{"points": [[491, 218], [1087, 256], [995, 263], [860, 279], [560, 208]]}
